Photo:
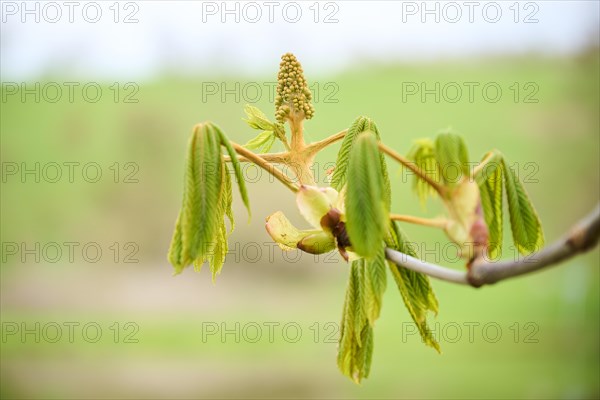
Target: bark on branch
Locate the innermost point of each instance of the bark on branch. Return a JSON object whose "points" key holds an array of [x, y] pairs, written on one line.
{"points": [[582, 237]]}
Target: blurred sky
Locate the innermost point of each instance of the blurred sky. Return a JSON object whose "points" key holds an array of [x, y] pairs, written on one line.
{"points": [[190, 36]]}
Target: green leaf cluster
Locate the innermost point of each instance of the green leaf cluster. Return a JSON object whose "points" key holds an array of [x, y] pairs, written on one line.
{"points": [[448, 158], [270, 131], [361, 170], [200, 231], [362, 305], [525, 223]]}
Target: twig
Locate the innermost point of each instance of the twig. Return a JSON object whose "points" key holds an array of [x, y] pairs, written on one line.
{"points": [[410, 165], [435, 223], [270, 168], [582, 237], [316, 147], [277, 158]]}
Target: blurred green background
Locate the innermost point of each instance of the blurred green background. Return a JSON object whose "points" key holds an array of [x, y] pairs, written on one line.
{"points": [[532, 337]]}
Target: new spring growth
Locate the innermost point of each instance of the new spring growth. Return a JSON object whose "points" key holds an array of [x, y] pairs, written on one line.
{"points": [[352, 216], [293, 100]]}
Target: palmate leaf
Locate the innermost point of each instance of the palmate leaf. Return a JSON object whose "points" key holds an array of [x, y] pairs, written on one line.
{"points": [[490, 189], [366, 210], [414, 287], [452, 156], [524, 221], [339, 177], [200, 231]]}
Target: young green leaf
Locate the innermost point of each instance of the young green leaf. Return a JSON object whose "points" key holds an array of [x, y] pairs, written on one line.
{"points": [[361, 124], [490, 191], [355, 346], [364, 354], [228, 197], [414, 287], [452, 156], [362, 298], [491, 161], [218, 248], [366, 209], [175, 255], [263, 142], [524, 221], [339, 179], [374, 283], [257, 119], [236, 167], [201, 194], [200, 231], [423, 155], [346, 339]]}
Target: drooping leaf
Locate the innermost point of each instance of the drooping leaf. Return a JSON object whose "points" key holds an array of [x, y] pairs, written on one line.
{"points": [[524, 221], [199, 221], [218, 252], [366, 209], [346, 343], [200, 231], [364, 354], [452, 156], [236, 167], [228, 199], [490, 190], [423, 155], [374, 283], [414, 287], [355, 346], [175, 255], [219, 246], [339, 178], [362, 298]]}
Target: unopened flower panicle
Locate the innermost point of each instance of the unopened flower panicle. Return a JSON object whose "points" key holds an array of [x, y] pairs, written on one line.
{"points": [[293, 95]]}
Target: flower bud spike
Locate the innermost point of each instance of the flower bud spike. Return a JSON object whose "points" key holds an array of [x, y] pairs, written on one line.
{"points": [[293, 99]]}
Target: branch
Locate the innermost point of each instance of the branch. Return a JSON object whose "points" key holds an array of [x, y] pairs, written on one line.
{"points": [[435, 271], [582, 237]]}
